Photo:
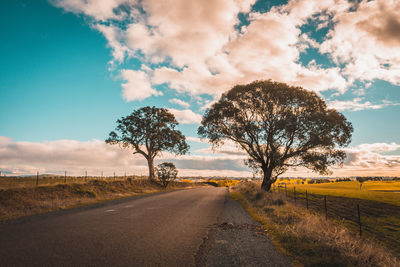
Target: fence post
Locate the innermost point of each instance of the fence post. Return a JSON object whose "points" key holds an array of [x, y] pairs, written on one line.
{"points": [[307, 199], [286, 190], [37, 178], [359, 218], [114, 175], [294, 190], [65, 177], [326, 209], [85, 175]]}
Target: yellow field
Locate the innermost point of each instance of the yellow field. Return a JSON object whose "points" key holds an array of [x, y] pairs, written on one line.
{"points": [[383, 191], [225, 182]]}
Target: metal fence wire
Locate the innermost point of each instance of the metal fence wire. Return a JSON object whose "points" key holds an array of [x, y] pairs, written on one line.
{"points": [[374, 220]]}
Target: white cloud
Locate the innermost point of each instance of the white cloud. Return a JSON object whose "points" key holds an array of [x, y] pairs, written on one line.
{"points": [[207, 104], [266, 48], [378, 147], [206, 52], [98, 9], [96, 156], [365, 159], [113, 35], [357, 104], [179, 102], [137, 85], [73, 156], [186, 116], [367, 41]]}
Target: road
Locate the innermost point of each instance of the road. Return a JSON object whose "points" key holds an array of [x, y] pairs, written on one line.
{"points": [[181, 228]]}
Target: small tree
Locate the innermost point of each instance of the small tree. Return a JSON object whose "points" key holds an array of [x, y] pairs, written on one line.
{"points": [[279, 126], [166, 173], [149, 131]]}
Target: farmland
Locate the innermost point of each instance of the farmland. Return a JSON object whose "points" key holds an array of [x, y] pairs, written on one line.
{"points": [[314, 239], [378, 202], [382, 191]]}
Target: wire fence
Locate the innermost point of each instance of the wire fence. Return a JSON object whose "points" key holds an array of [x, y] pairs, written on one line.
{"points": [[372, 219], [55, 179]]}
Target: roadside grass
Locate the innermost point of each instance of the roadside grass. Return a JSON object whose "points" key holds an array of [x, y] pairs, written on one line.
{"points": [[46, 180], [308, 237], [382, 191], [21, 201]]}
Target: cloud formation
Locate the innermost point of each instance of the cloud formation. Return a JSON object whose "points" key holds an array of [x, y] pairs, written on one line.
{"points": [[95, 156], [358, 104], [100, 10], [201, 47], [179, 102], [366, 159], [366, 41], [186, 116], [137, 85]]}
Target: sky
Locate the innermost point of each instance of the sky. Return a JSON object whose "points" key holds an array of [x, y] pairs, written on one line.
{"points": [[71, 68]]}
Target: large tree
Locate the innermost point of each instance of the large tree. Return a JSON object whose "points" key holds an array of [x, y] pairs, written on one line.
{"points": [[279, 126], [148, 131]]}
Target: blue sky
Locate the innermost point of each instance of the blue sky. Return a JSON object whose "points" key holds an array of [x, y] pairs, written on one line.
{"points": [[71, 68]]}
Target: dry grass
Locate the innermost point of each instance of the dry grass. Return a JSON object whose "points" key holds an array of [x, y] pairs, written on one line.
{"points": [[22, 201], [47, 180], [308, 237]]}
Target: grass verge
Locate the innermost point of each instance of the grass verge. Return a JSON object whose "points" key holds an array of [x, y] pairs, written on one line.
{"points": [[23, 201], [308, 237]]}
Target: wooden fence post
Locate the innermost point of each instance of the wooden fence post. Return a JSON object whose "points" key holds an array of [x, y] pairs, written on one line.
{"points": [[326, 208], [307, 199], [85, 175], [114, 175], [359, 218], [286, 190], [65, 177], [294, 190], [37, 178]]}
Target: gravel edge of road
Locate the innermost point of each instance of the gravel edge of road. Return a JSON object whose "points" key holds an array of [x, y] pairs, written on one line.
{"points": [[235, 225]]}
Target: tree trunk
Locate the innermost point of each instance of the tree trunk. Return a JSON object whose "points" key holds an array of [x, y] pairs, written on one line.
{"points": [[150, 162], [267, 182]]}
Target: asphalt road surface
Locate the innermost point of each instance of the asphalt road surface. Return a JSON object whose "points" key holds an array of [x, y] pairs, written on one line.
{"points": [[200, 227]]}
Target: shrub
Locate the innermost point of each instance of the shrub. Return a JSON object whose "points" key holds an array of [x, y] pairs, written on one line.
{"points": [[166, 173]]}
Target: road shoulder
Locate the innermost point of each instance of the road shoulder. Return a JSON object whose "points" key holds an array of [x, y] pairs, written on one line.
{"points": [[237, 240]]}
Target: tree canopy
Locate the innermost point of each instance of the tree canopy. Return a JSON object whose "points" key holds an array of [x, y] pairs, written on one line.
{"points": [[279, 126], [149, 131]]}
